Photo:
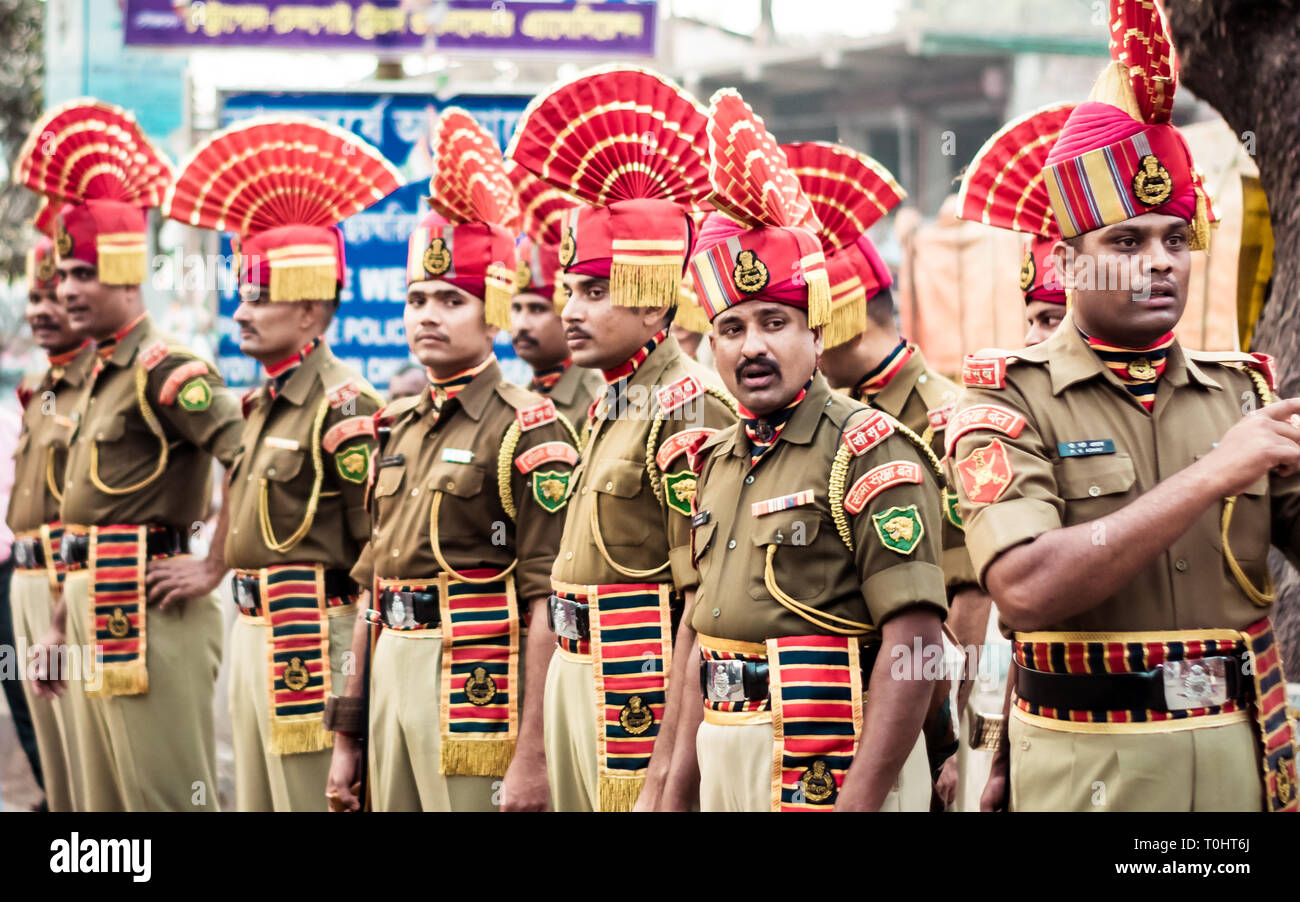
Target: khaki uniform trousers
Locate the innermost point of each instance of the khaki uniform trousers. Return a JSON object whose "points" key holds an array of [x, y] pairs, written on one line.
{"points": [[92, 752], [265, 781], [405, 740], [31, 604], [1204, 769], [569, 719], [736, 771], [162, 744]]}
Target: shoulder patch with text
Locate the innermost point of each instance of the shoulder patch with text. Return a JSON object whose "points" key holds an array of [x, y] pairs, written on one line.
{"points": [[876, 480], [676, 445], [983, 416], [549, 452], [537, 415], [343, 430], [678, 393], [153, 355], [342, 393], [939, 416], [869, 433], [984, 372]]}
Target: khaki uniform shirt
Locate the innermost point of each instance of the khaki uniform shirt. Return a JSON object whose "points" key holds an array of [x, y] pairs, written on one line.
{"points": [[184, 399], [42, 450], [922, 400], [457, 456], [648, 538], [894, 563], [304, 462], [575, 391], [1087, 448]]}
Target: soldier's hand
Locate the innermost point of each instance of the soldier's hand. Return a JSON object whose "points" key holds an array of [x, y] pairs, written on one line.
{"points": [[946, 786], [997, 790], [170, 581], [47, 681], [344, 783], [525, 787], [1267, 440]]}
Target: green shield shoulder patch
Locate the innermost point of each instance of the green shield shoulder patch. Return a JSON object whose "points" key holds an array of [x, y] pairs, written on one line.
{"points": [[950, 509], [900, 528], [353, 463], [195, 395], [551, 488], [679, 491]]}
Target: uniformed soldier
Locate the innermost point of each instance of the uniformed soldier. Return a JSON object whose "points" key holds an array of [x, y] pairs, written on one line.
{"points": [[138, 476], [866, 356], [297, 487], [33, 516], [814, 527], [535, 327], [1120, 492], [466, 509], [1003, 187], [623, 573]]}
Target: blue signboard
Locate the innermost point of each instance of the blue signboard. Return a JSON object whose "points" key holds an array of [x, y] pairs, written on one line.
{"points": [[367, 333]]}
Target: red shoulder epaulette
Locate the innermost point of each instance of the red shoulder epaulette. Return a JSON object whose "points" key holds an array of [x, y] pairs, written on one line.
{"points": [[940, 415], [342, 393], [246, 400], [869, 433], [153, 355], [678, 393], [537, 415], [1264, 363], [984, 372]]}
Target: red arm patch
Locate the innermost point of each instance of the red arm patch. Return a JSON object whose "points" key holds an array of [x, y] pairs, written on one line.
{"points": [[985, 473], [179, 376], [869, 433], [678, 393], [984, 372], [676, 445], [546, 453], [982, 416], [537, 415], [343, 430], [876, 480]]}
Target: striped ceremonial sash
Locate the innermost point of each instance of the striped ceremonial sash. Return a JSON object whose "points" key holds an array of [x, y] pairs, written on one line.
{"points": [[298, 659], [117, 608], [815, 683], [480, 674], [631, 650], [1276, 732]]}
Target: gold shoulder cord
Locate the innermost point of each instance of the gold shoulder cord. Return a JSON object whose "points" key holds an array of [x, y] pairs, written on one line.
{"points": [[436, 545], [840, 476], [50, 482], [1260, 598], [263, 508], [150, 420], [820, 619], [504, 459]]}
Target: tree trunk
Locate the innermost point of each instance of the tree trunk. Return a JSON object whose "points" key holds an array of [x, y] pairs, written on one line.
{"points": [[1240, 57]]}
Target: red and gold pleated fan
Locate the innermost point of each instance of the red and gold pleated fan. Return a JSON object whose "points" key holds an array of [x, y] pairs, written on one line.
{"points": [[752, 179], [617, 133], [46, 219], [849, 191], [87, 150], [1004, 186], [269, 172], [1140, 44], [470, 183], [541, 206]]}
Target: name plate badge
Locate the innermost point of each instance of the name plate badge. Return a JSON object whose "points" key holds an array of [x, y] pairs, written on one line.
{"points": [[457, 455], [1086, 447]]}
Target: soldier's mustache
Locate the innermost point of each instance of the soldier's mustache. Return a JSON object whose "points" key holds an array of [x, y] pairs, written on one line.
{"points": [[757, 366]]}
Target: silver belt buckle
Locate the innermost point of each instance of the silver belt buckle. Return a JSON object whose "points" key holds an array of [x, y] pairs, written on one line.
{"points": [[725, 680], [65, 546], [564, 618], [21, 550], [1200, 683], [243, 595], [401, 610]]}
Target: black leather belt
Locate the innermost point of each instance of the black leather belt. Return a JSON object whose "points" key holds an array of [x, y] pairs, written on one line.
{"points": [[733, 680], [247, 589], [162, 541], [29, 554], [1179, 685], [410, 610]]}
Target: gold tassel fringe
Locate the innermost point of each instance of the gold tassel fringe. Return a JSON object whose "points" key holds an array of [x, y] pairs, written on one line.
{"points": [[1113, 87], [121, 679], [290, 736], [848, 320], [690, 315], [819, 298], [496, 304], [619, 793], [1200, 237], [644, 285], [303, 283], [476, 757], [122, 266]]}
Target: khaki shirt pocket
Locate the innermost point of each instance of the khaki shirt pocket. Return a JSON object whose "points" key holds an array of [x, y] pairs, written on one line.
{"points": [[281, 465], [620, 524], [795, 567], [110, 429], [461, 480], [1093, 486], [388, 482]]}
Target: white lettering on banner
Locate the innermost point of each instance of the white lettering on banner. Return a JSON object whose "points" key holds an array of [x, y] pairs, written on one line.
{"points": [[371, 331], [382, 283], [239, 370]]}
